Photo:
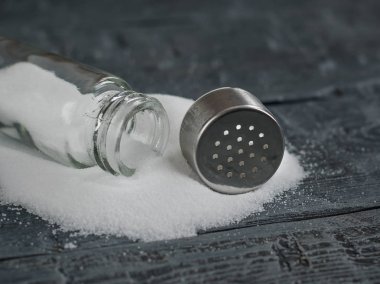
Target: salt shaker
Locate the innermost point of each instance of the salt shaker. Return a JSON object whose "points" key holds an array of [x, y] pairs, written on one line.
{"points": [[76, 114]]}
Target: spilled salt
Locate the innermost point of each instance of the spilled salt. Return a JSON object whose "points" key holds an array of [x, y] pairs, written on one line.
{"points": [[163, 200], [69, 245]]}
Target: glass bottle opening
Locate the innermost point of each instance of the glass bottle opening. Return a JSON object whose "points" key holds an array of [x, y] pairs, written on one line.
{"points": [[130, 129]]}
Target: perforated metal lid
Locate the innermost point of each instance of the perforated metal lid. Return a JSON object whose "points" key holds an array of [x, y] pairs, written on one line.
{"points": [[231, 140]]}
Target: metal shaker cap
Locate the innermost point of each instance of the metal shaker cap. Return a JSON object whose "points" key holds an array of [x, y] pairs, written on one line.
{"points": [[231, 140]]}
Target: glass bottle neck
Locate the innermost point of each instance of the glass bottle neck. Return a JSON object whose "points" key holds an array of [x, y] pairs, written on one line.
{"points": [[130, 128]]}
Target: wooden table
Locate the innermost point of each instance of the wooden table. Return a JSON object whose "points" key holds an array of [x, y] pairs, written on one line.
{"points": [[316, 64]]}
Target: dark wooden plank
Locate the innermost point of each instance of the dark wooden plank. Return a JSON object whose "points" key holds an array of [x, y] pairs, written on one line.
{"points": [[337, 249], [277, 50]]}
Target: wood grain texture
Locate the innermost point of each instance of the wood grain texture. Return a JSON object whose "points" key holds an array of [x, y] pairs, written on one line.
{"points": [[337, 249], [317, 66], [277, 50]]}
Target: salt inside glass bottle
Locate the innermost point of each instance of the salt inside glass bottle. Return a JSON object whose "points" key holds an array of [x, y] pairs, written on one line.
{"points": [[76, 114]]}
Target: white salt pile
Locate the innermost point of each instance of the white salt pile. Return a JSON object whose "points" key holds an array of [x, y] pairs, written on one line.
{"points": [[163, 200]]}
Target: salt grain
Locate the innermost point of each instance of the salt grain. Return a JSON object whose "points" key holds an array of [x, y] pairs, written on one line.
{"points": [[163, 200], [69, 245]]}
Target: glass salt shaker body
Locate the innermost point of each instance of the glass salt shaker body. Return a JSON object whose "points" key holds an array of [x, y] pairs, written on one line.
{"points": [[76, 114]]}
